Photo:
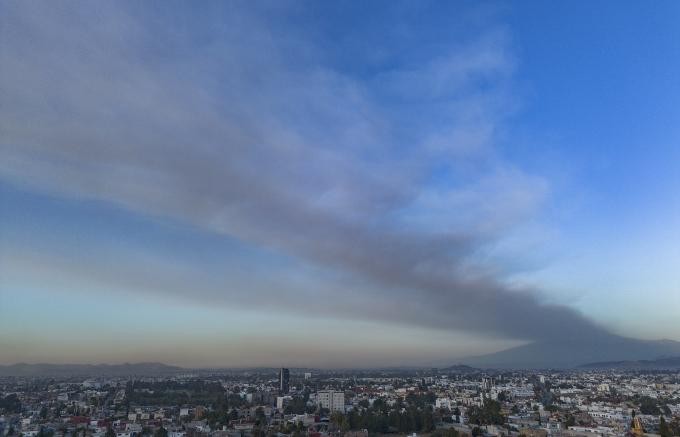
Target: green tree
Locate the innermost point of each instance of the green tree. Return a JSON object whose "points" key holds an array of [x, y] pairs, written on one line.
{"points": [[648, 406], [664, 430], [339, 421], [10, 404], [47, 432], [489, 414], [260, 418], [161, 432], [675, 425], [427, 423]]}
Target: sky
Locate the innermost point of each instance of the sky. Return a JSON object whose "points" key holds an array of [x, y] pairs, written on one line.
{"points": [[335, 184]]}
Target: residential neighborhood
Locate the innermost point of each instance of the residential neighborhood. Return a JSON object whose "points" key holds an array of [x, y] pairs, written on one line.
{"points": [[319, 403]]}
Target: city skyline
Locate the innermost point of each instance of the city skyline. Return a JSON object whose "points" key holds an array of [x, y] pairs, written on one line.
{"points": [[299, 184]]}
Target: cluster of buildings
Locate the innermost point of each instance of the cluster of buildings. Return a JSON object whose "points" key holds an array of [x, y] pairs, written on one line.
{"points": [[296, 404]]}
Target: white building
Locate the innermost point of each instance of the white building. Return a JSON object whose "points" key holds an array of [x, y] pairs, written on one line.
{"points": [[282, 401], [603, 388], [442, 403], [332, 400]]}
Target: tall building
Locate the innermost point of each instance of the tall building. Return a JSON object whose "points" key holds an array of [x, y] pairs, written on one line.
{"points": [[284, 381], [332, 400]]}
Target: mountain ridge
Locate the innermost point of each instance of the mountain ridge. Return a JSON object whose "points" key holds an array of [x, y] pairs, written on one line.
{"points": [[573, 353], [64, 370], [660, 363]]}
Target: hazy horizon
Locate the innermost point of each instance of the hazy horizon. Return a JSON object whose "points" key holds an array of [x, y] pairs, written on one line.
{"points": [[336, 184]]}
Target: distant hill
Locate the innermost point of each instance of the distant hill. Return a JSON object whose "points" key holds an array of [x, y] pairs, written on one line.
{"points": [[65, 370], [661, 363], [574, 353], [458, 368]]}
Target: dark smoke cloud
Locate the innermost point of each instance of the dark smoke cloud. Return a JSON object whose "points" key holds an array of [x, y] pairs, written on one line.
{"points": [[246, 132]]}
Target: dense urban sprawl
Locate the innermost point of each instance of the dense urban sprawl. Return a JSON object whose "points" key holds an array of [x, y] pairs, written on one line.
{"points": [[301, 403]]}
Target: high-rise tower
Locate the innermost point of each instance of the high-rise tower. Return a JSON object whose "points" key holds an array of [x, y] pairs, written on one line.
{"points": [[284, 381]]}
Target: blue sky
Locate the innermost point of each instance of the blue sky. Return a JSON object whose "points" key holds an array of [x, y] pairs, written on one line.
{"points": [[262, 182]]}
